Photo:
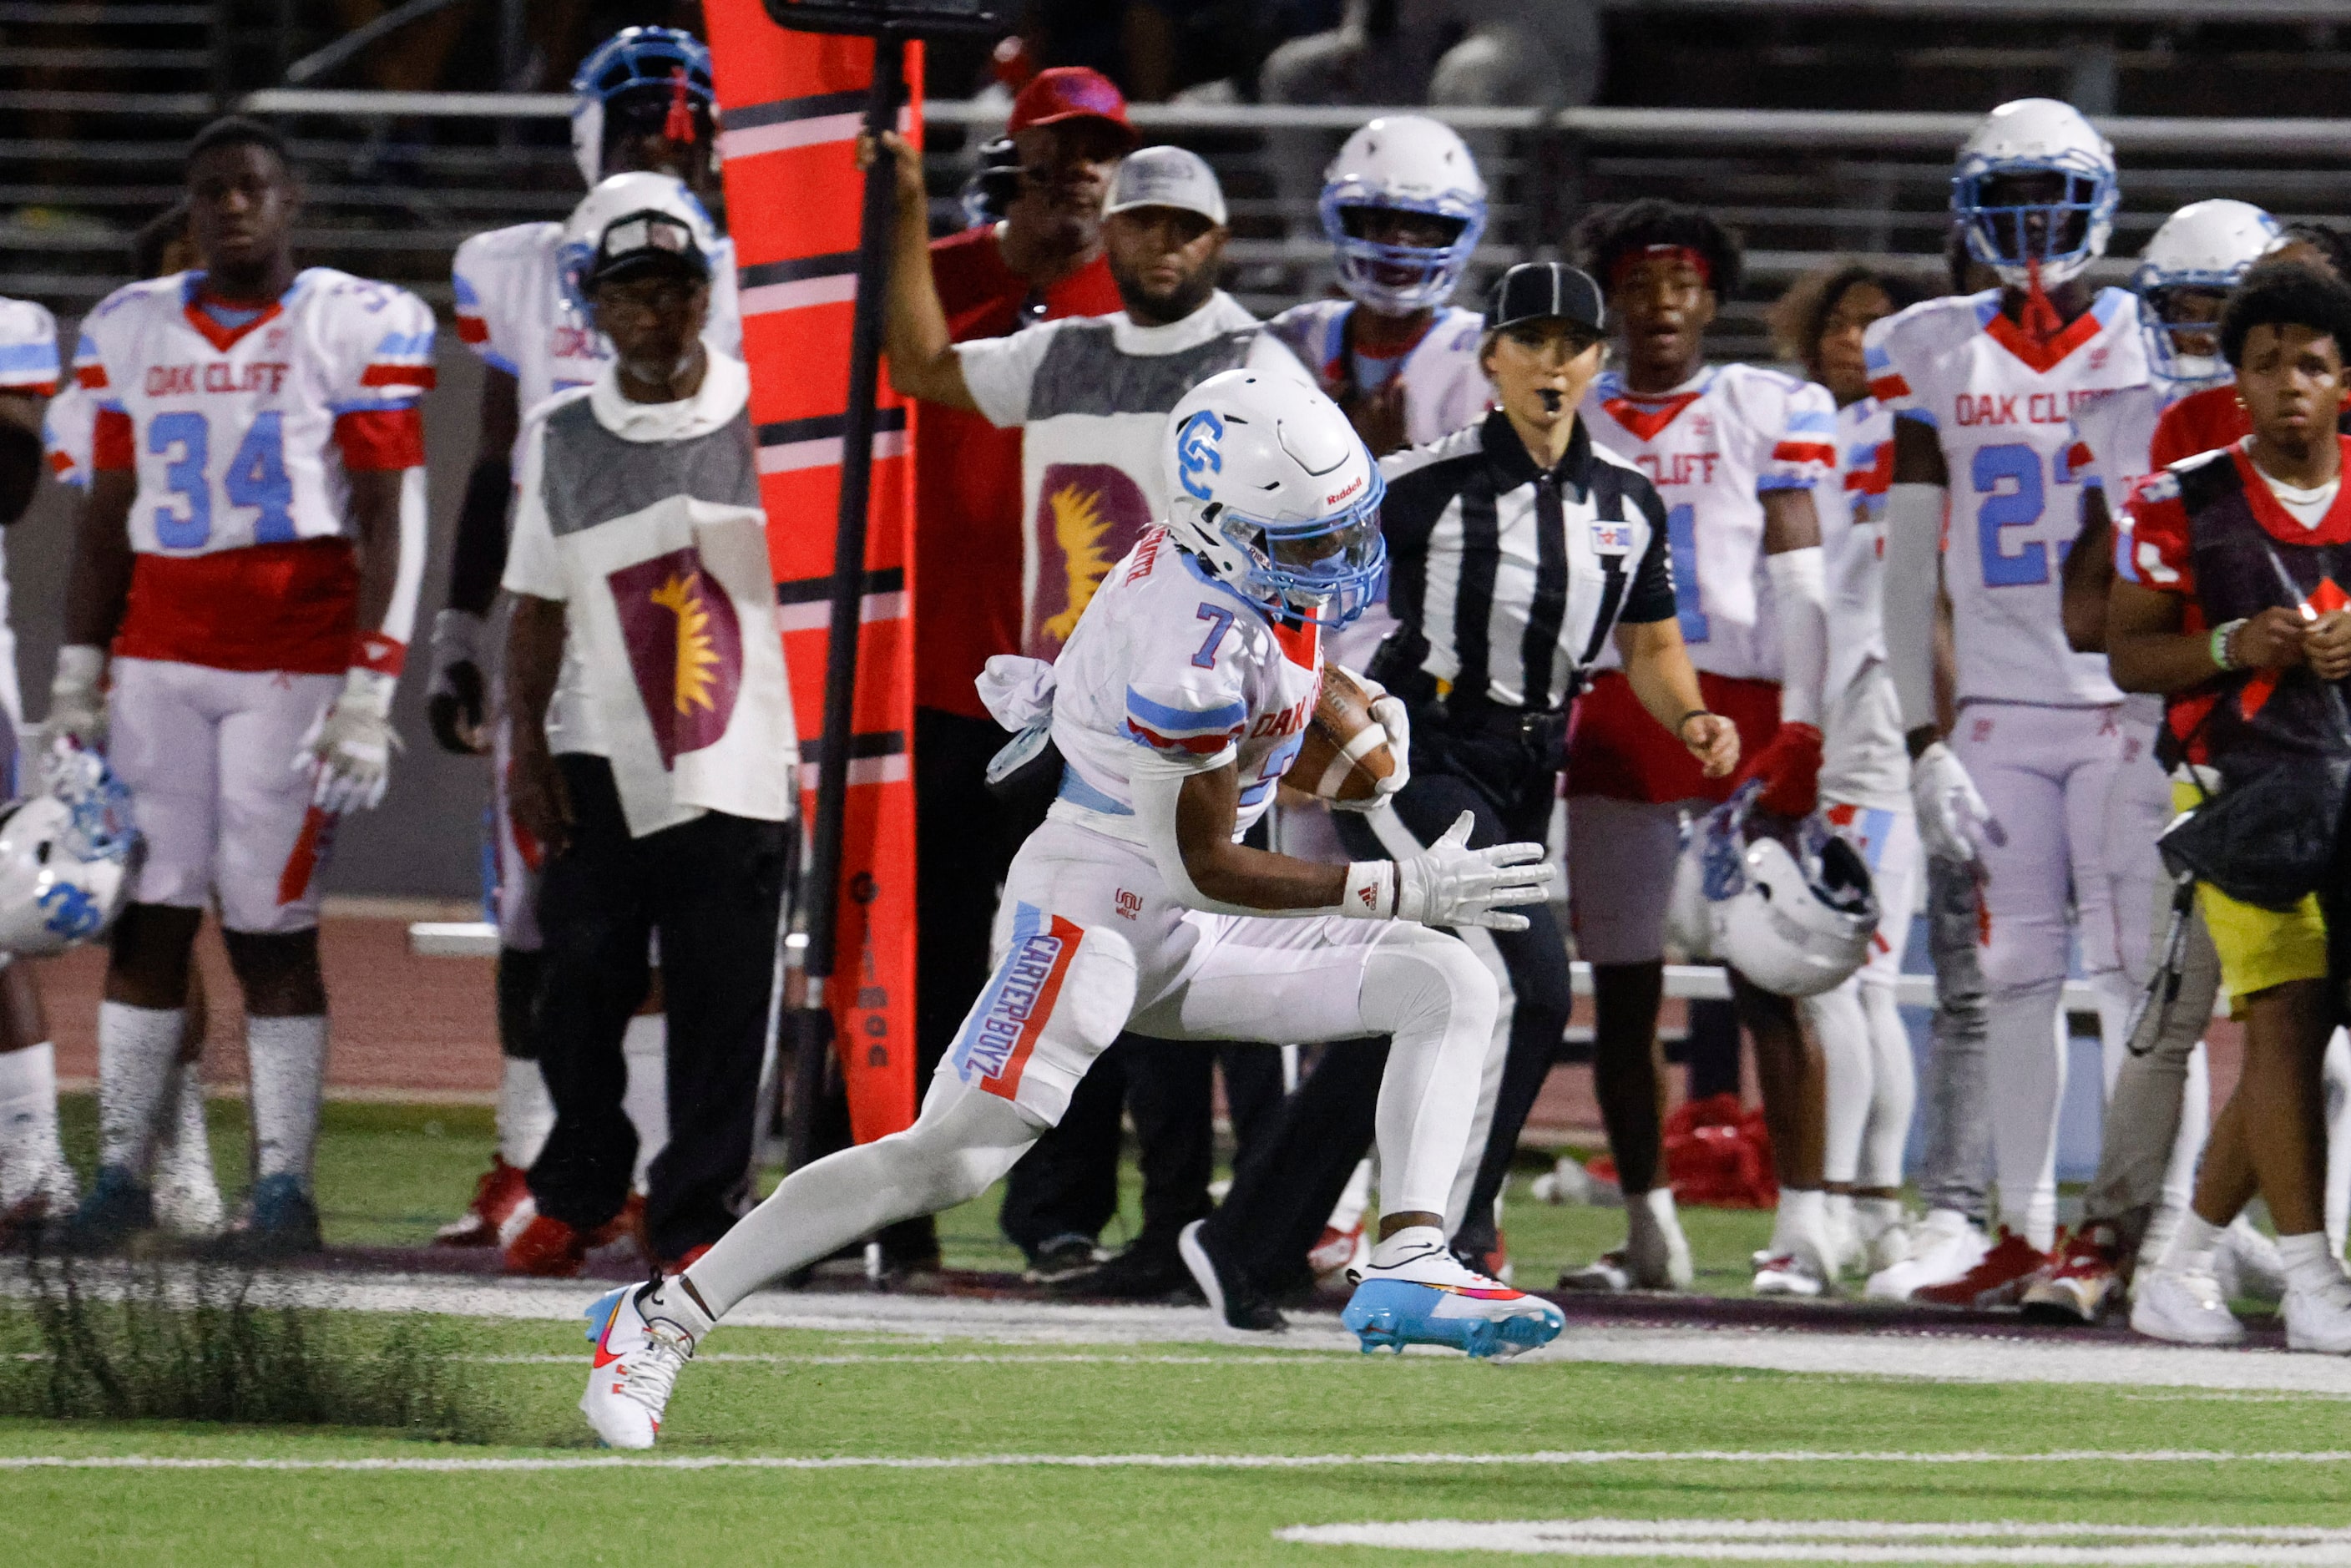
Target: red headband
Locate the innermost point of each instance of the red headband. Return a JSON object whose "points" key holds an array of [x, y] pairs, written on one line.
{"points": [[1682, 252]]}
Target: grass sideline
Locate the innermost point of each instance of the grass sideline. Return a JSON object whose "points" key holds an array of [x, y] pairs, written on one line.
{"points": [[779, 1393]]}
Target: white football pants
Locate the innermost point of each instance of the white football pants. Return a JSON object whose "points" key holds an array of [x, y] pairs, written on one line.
{"points": [[1872, 1083], [1089, 943]]}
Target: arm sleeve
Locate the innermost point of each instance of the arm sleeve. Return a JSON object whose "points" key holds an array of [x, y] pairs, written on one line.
{"points": [[1651, 597], [1799, 418], [999, 372], [1800, 596], [533, 565], [28, 349], [1914, 530]]}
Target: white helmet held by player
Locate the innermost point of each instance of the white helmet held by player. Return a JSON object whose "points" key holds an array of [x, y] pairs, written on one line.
{"points": [[2203, 249], [2056, 230], [674, 216], [658, 77], [1272, 488], [1404, 163], [67, 855], [1794, 922]]}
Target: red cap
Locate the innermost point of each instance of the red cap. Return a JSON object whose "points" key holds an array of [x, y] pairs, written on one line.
{"points": [[1069, 92]]}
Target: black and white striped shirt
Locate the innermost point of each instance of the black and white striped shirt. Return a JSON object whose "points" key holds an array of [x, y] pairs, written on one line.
{"points": [[1515, 577]]}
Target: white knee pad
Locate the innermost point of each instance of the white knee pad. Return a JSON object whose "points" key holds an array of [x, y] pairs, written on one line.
{"points": [[1059, 995]]}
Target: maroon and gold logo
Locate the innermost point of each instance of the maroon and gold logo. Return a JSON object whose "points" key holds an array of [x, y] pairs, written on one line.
{"points": [[1089, 515], [686, 649]]}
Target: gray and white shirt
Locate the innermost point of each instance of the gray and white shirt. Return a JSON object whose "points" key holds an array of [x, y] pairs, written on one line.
{"points": [[1092, 395]]}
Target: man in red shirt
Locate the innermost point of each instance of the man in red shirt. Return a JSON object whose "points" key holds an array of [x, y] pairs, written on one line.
{"points": [[1043, 259]]}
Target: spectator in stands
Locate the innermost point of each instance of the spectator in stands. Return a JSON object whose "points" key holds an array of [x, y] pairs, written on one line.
{"points": [[662, 791], [1043, 260]]}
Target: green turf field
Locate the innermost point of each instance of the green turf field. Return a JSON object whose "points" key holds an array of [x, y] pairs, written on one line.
{"points": [[858, 1397]]}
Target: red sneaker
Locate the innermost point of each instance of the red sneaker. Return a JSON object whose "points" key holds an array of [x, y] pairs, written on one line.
{"points": [[547, 1248], [2081, 1281], [628, 1225], [1996, 1282], [496, 1196]]}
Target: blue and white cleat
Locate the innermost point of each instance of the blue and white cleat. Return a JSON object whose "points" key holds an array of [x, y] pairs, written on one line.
{"points": [[1426, 1296], [642, 1335]]}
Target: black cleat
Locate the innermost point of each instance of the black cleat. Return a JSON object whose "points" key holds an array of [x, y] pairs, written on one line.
{"points": [[1232, 1295], [117, 1208]]}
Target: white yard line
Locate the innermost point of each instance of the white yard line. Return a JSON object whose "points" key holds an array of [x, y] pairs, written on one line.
{"points": [[1852, 1541], [1541, 1458], [877, 1317]]}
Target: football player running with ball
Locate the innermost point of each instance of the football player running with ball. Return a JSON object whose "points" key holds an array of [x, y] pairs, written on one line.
{"points": [[1984, 387], [1179, 701], [248, 559]]}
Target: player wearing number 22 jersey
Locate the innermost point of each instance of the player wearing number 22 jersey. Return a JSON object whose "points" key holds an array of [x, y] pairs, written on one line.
{"points": [[242, 427]]}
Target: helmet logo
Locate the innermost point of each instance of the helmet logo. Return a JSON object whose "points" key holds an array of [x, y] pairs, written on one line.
{"points": [[70, 912], [1197, 454]]}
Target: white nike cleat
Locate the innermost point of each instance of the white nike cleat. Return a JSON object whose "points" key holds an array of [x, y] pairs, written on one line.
{"points": [[1943, 1248], [2181, 1308], [642, 1335], [1795, 1273], [1425, 1295], [2246, 1263], [2319, 1320]]}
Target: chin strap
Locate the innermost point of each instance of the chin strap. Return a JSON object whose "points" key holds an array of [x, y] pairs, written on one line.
{"points": [[679, 124], [2039, 318]]}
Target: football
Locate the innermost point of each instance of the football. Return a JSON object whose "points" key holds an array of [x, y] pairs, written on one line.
{"points": [[1345, 753]]}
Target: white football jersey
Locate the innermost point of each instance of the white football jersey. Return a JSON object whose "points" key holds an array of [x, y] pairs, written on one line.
{"points": [[1444, 390], [1711, 446], [513, 311], [2003, 405], [1863, 761], [28, 367], [67, 426], [234, 430], [1168, 658]]}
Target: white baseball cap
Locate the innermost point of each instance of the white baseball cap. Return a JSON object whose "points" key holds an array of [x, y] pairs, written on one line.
{"points": [[1168, 177]]}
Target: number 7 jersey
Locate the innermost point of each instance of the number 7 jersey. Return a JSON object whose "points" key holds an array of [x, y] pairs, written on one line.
{"points": [[2002, 404]]}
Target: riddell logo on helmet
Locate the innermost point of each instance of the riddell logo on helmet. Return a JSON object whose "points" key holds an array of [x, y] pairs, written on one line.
{"points": [[1333, 500]]}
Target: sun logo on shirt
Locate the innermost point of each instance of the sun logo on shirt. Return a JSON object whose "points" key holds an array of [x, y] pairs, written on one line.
{"points": [[1079, 527], [697, 655]]}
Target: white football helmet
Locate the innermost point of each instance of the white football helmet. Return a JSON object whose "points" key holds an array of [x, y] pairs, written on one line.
{"points": [[639, 74], [2059, 235], [67, 855], [1796, 924], [655, 196], [1272, 488], [2206, 246], [1404, 163]]}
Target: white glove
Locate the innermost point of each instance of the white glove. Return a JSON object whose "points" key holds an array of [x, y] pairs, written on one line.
{"points": [[350, 748], [77, 700], [1953, 820], [1390, 713], [1448, 883]]}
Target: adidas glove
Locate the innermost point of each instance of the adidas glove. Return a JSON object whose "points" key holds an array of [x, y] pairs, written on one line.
{"points": [[1449, 884], [350, 746], [1953, 820]]}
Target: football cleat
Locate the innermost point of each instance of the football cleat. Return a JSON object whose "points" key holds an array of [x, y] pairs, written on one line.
{"points": [[2181, 1308], [2320, 1319], [2246, 1263], [1061, 1258], [1232, 1295], [1998, 1280], [548, 1249], [642, 1335], [1336, 1251], [117, 1208], [503, 1188], [280, 1220], [1792, 1273], [1611, 1273], [1427, 1296], [1942, 1248], [2081, 1281]]}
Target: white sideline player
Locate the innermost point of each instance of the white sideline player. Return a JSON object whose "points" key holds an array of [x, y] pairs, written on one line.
{"points": [[1983, 388], [643, 114], [248, 558], [1871, 1087], [1177, 704]]}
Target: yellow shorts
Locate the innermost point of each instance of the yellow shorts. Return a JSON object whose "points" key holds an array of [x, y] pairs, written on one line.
{"points": [[2259, 948]]}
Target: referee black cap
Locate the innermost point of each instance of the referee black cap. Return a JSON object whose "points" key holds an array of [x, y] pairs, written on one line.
{"points": [[1535, 289]]}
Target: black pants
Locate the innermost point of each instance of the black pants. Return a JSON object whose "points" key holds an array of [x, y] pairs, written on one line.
{"points": [[712, 888], [1270, 1217], [1068, 1184], [965, 840]]}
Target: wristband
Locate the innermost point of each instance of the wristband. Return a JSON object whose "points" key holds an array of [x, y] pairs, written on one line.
{"points": [[81, 667], [1371, 891], [1682, 722], [2219, 645]]}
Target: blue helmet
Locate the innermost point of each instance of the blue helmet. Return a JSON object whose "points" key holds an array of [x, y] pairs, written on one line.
{"points": [[645, 62], [2057, 236], [1410, 163]]}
